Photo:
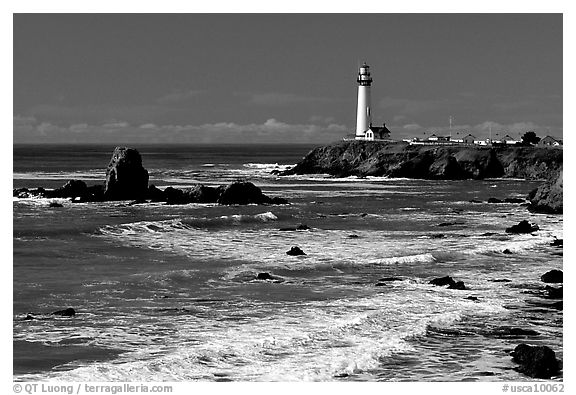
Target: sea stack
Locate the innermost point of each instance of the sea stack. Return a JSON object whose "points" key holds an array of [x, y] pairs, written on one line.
{"points": [[125, 177]]}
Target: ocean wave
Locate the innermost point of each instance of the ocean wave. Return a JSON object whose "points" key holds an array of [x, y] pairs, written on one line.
{"points": [[339, 337]]}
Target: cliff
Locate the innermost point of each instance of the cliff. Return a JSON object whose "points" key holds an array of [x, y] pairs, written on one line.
{"points": [[396, 159], [547, 198]]}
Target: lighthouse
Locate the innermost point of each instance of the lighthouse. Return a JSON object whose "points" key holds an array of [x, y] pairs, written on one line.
{"points": [[364, 128], [364, 113]]}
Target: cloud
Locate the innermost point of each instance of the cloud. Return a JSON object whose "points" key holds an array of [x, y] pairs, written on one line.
{"points": [[270, 131]]}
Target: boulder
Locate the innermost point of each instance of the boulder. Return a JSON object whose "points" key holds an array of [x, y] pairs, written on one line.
{"points": [[126, 179], [155, 194], [268, 277], [55, 204], [202, 194], [72, 189], [175, 196], [69, 312], [553, 276], [242, 193], [548, 198], [494, 200], [457, 285], [536, 361], [553, 292], [447, 280], [507, 251], [523, 227], [295, 251], [442, 281], [278, 200], [557, 242]]}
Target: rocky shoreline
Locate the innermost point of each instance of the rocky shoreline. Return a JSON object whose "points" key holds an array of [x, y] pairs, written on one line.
{"points": [[401, 160], [127, 179]]}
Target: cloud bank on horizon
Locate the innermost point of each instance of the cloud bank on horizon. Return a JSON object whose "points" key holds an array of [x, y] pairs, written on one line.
{"points": [[273, 78]]}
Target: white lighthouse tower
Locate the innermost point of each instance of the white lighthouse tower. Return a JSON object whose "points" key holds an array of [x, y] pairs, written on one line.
{"points": [[364, 113]]}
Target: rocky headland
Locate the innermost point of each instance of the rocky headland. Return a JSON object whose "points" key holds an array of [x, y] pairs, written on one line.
{"points": [[400, 159], [127, 179], [548, 197]]}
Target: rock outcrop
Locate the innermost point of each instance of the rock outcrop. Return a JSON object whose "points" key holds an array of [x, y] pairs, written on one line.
{"points": [[548, 197], [447, 280], [126, 178], [553, 276], [523, 227], [398, 159], [536, 361]]}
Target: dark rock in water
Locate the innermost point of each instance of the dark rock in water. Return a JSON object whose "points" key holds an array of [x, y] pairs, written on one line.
{"points": [[55, 204], [175, 196], [447, 280], [381, 284], [155, 194], [506, 251], [476, 201], [514, 200], [557, 243], [553, 276], [242, 193], [457, 285], [126, 179], [72, 189], [501, 280], [95, 193], [29, 317], [536, 361], [523, 227], [295, 251], [548, 197], [69, 312], [473, 298], [265, 276], [436, 236], [353, 236], [17, 191], [441, 281], [278, 200], [202, 194], [494, 200], [553, 292]]}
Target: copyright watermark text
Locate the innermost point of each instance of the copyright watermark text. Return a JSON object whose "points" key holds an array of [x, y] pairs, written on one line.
{"points": [[83, 388]]}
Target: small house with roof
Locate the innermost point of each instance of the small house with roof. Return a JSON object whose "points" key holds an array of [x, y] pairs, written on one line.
{"points": [[549, 141]]}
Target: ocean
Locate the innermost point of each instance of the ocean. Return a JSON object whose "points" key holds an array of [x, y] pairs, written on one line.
{"points": [[171, 293]]}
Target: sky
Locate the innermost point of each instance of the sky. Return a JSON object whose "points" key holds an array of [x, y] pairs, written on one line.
{"points": [[281, 78]]}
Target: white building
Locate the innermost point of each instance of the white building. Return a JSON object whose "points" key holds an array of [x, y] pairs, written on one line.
{"points": [[364, 128]]}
